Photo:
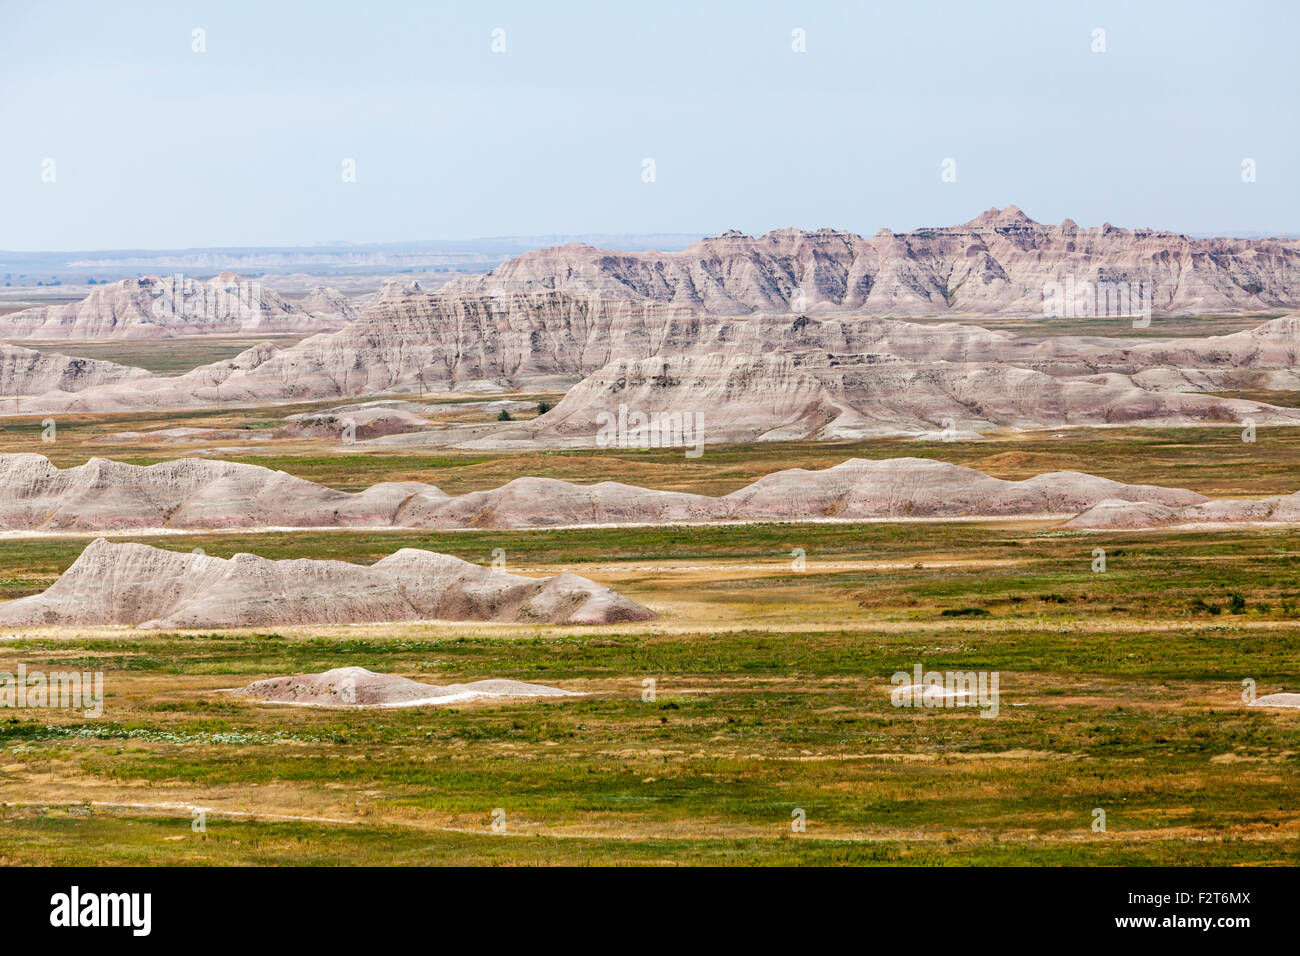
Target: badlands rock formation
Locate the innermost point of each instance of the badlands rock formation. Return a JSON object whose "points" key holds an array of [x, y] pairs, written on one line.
{"points": [[329, 304], [359, 424], [188, 493], [28, 372], [146, 587], [997, 262], [195, 494], [154, 307], [807, 395], [757, 376], [1281, 509], [358, 687], [658, 333]]}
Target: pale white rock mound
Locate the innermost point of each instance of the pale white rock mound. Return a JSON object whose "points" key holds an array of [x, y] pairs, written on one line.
{"points": [[1277, 700], [146, 587], [359, 687], [1280, 509], [188, 493], [194, 494], [549, 502], [921, 488]]}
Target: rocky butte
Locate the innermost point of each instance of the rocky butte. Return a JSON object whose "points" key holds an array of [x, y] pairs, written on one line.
{"points": [[156, 307], [146, 587], [1000, 261]]}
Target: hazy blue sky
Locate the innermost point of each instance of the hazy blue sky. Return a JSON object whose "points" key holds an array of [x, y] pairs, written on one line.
{"points": [[158, 146]]}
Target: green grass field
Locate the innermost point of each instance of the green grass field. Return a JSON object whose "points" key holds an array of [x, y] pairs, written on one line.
{"points": [[1118, 692]]}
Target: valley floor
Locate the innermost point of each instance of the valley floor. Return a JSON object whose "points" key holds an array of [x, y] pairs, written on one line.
{"points": [[1120, 691]]}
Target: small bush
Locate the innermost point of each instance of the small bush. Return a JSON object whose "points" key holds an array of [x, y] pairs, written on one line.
{"points": [[1236, 603], [543, 407], [964, 612], [504, 416]]}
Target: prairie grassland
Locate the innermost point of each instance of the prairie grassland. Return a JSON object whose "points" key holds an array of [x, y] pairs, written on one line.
{"points": [[1119, 691]]}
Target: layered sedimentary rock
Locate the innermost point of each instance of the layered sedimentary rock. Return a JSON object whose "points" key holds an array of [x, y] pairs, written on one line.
{"points": [[759, 376], [1280, 509], [1000, 261], [359, 424], [146, 587], [800, 377], [199, 494], [414, 342], [195, 494], [813, 395], [29, 372], [188, 493], [161, 307], [359, 687], [329, 305]]}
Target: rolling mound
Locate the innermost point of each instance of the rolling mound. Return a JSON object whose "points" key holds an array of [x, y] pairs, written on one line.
{"points": [[199, 493], [146, 587], [104, 495], [1277, 700], [358, 687], [1280, 509]]}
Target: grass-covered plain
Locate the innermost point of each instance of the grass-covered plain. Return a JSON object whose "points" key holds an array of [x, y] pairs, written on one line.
{"points": [[1119, 690]]}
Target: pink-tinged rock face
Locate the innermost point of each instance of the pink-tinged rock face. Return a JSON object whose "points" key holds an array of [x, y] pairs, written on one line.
{"points": [[757, 375], [997, 262], [196, 494], [29, 372]]}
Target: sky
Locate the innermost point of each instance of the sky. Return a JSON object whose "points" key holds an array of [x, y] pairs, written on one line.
{"points": [[119, 134]]}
